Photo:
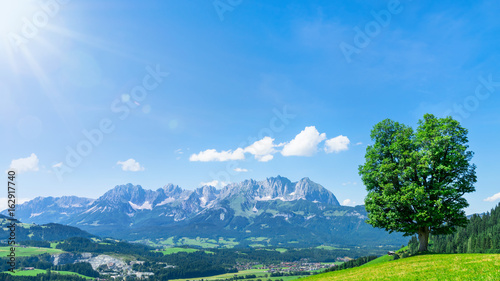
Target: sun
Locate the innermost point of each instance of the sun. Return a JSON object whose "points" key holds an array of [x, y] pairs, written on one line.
{"points": [[23, 43], [29, 33], [14, 13], [22, 23]]}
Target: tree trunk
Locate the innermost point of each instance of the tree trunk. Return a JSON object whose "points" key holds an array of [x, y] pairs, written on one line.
{"points": [[423, 238]]}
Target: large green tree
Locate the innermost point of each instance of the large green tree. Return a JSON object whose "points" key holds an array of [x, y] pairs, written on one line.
{"points": [[416, 179]]}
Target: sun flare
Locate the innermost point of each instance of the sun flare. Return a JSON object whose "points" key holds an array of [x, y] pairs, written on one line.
{"points": [[14, 13]]}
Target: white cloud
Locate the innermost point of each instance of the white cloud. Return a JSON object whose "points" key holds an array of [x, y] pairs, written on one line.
{"points": [[240, 170], [262, 149], [212, 155], [265, 158], [214, 183], [27, 164], [130, 165], [337, 144], [349, 183], [305, 143], [58, 165], [348, 202], [179, 152], [359, 143], [493, 198]]}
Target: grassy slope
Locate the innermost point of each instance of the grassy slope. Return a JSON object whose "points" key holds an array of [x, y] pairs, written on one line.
{"points": [[258, 272], [174, 250], [385, 258], [28, 251], [38, 271], [425, 267], [169, 251]]}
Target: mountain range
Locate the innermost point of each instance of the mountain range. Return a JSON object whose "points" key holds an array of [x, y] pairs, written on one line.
{"points": [[274, 211], [46, 232]]}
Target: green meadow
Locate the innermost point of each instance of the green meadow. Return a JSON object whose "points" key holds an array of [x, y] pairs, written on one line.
{"points": [[436, 267], [260, 273], [29, 251], [174, 250], [38, 271]]}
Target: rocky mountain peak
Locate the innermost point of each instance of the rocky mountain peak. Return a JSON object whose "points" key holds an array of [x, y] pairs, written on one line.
{"points": [[125, 193], [277, 182], [274, 207], [129, 199], [171, 190]]}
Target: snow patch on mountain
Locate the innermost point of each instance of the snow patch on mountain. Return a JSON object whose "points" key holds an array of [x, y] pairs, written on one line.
{"points": [[93, 209], [166, 201], [145, 206], [203, 200], [310, 217]]}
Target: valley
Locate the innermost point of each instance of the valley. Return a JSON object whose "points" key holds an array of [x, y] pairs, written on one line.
{"points": [[227, 237], [107, 258]]}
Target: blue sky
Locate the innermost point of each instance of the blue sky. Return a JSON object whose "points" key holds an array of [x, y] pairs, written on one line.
{"points": [[96, 94]]}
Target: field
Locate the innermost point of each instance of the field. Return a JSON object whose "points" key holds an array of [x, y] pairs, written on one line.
{"points": [[174, 250], [385, 258], [222, 242], [424, 267], [260, 273], [38, 271], [29, 251], [200, 242], [324, 247], [381, 259]]}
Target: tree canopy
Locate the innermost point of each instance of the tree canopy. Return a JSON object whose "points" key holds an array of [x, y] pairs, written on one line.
{"points": [[416, 179]]}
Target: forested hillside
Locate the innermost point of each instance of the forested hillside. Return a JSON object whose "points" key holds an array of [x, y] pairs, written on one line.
{"points": [[46, 232], [481, 235]]}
